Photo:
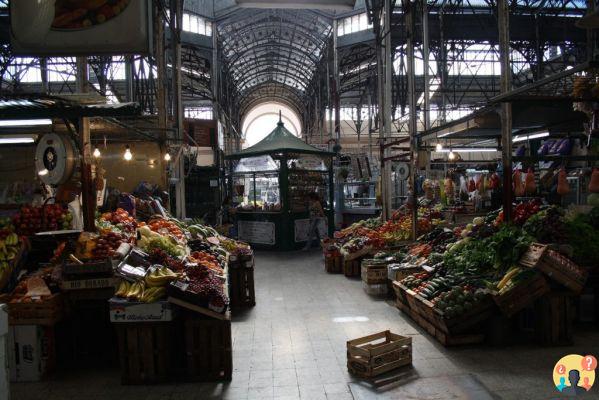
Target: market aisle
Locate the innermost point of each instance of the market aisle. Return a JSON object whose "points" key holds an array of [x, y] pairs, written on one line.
{"points": [[292, 345]]}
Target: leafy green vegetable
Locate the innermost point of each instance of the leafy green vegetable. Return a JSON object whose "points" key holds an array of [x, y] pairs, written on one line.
{"points": [[584, 240], [508, 244]]}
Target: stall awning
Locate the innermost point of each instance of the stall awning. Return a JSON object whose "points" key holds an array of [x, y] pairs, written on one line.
{"points": [[280, 141]]}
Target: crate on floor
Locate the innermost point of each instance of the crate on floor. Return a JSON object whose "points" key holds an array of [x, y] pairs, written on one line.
{"points": [[145, 352], [241, 286], [376, 289], [376, 354], [333, 264], [351, 268], [208, 347], [374, 271], [554, 315]]}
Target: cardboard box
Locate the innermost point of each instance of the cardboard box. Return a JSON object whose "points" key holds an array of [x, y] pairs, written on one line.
{"points": [[125, 311], [32, 352]]}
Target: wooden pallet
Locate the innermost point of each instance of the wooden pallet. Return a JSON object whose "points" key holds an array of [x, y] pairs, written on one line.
{"points": [[376, 354], [208, 349], [145, 352], [241, 287], [46, 312], [556, 266], [523, 295]]}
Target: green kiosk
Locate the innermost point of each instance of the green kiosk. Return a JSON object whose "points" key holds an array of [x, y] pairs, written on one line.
{"points": [[270, 182]]}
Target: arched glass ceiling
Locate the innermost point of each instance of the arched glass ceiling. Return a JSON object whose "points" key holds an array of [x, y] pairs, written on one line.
{"points": [[272, 53]]}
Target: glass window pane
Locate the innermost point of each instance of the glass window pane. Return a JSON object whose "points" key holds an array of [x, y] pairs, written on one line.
{"points": [[186, 26]]}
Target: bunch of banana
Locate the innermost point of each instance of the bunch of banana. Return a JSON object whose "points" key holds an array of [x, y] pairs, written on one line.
{"points": [[160, 277], [123, 289], [153, 294], [9, 247], [11, 240], [136, 291]]}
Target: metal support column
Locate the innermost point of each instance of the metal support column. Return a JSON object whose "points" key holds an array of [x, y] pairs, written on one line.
{"points": [[506, 108], [409, 8], [44, 75], [129, 77], [88, 189], [161, 98], [387, 102], [176, 8], [337, 103], [425, 61]]}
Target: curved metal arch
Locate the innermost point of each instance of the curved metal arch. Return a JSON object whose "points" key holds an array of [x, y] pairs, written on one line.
{"points": [[265, 92], [309, 42], [296, 115], [276, 99], [262, 67], [266, 44], [278, 16], [266, 78]]}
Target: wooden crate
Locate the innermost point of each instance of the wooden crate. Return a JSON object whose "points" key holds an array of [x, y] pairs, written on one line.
{"points": [[208, 349], [375, 289], [446, 339], [556, 266], [554, 315], [333, 264], [47, 312], [373, 271], [145, 352], [351, 268], [403, 272], [376, 354], [480, 312], [523, 295], [241, 287], [91, 268], [401, 293]]}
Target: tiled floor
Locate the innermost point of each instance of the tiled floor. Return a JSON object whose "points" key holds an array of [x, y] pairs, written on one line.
{"points": [[292, 346]]}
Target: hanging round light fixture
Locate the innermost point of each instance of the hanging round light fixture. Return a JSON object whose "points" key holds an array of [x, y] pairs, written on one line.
{"points": [[128, 156], [167, 157], [97, 153]]}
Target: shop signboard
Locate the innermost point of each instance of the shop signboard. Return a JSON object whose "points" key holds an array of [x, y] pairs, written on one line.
{"points": [[80, 27], [257, 232], [302, 228], [126, 311]]}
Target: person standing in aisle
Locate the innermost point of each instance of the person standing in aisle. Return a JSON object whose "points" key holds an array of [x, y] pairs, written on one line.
{"points": [[316, 212]]}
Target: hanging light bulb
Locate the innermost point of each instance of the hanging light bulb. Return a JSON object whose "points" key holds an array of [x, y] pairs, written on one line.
{"points": [[43, 172], [167, 157], [438, 147], [97, 153], [451, 155], [128, 156]]}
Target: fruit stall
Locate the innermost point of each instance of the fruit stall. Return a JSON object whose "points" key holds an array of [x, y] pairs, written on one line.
{"points": [[270, 183], [154, 289]]}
